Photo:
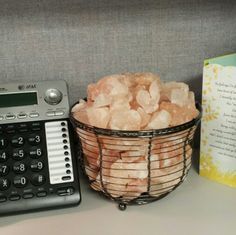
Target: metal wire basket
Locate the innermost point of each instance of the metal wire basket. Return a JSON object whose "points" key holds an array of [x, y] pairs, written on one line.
{"points": [[135, 167]]}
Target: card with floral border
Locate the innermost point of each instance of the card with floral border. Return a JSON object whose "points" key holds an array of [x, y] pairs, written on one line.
{"points": [[218, 127]]}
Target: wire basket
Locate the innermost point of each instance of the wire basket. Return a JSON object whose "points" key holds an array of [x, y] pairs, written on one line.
{"points": [[135, 167]]}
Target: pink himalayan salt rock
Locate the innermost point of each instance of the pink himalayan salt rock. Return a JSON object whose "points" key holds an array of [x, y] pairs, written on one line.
{"points": [[111, 85], [160, 119], [120, 104], [154, 90], [146, 78], [145, 118], [126, 120], [149, 99], [164, 179], [176, 92], [80, 105], [134, 91], [146, 102], [127, 179], [98, 117], [179, 115], [80, 111], [102, 100]]}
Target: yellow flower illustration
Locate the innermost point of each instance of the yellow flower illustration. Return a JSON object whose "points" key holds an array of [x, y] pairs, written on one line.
{"points": [[210, 170], [209, 114]]}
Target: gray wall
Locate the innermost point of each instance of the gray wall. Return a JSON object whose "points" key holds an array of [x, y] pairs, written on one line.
{"points": [[82, 40]]}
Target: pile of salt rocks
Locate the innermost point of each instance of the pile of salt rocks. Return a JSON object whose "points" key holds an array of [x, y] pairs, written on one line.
{"points": [[136, 101], [128, 168]]}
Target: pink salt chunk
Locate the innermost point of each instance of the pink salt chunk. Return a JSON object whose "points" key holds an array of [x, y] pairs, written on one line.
{"points": [[146, 78], [80, 105], [168, 87], [110, 85], [145, 118], [179, 115], [154, 90], [92, 91], [98, 117], [102, 100], [146, 102], [179, 97], [80, 112], [126, 120], [161, 119], [119, 104]]}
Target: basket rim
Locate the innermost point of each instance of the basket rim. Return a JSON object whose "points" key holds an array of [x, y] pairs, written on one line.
{"points": [[134, 133]]}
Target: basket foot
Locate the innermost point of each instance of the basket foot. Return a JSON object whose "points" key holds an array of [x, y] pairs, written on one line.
{"points": [[122, 206]]}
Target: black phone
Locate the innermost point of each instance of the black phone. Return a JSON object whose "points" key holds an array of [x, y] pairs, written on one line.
{"points": [[38, 167]]}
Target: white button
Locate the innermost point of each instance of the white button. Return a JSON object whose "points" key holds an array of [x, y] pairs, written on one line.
{"points": [[34, 115], [1, 118], [50, 114], [59, 113], [22, 115], [10, 116]]}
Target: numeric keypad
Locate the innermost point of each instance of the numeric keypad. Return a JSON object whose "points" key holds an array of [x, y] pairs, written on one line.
{"points": [[22, 160]]}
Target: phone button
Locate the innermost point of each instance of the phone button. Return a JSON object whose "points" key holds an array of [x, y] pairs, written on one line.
{"points": [[3, 143], [18, 154], [36, 165], [41, 194], [19, 167], [34, 139], [22, 115], [65, 178], [28, 195], [10, 116], [22, 127], [59, 113], [3, 199], [20, 181], [35, 152], [17, 141], [36, 126], [4, 184], [4, 169], [14, 197], [38, 179], [4, 156], [10, 129], [50, 114], [34, 115], [65, 191]]}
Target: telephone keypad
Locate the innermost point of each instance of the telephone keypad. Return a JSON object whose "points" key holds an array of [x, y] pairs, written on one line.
{"points": [[35, 164], [23, 160]]}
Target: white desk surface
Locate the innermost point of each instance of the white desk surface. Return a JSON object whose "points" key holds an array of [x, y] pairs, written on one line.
{"points": [[198, 206]]}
